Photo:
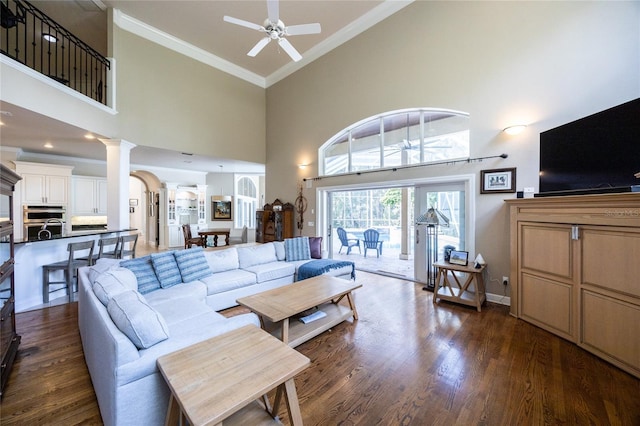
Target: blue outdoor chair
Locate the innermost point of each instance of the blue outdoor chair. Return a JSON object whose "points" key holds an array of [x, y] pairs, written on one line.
{"points": [[347, 242], [372, 241]]}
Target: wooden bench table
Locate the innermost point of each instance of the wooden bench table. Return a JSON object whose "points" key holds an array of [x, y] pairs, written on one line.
{"points": [[448, 286], [223, 377]]}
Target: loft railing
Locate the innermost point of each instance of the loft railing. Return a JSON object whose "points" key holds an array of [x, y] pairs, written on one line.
{"points": [[68, 60]]}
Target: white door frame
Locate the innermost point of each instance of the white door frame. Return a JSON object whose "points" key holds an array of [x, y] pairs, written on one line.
{"points": [[323, 197]]}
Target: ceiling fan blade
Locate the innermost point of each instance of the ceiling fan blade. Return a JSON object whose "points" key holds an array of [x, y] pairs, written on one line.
{"points": [[259, 46], [303, 29], [273, 11], [243, 23], [291, 51]]}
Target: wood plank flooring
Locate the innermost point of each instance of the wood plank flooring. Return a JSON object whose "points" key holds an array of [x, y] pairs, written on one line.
{"points": [[404, 362]]}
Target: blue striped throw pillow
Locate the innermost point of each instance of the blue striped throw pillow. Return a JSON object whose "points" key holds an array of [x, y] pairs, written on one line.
{"points": [[297, 249], [143, 270], [192, 264], [166, 269]]}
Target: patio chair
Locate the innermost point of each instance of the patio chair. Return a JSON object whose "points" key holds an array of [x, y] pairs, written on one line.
{"points": [[347, 242], [372, 242]]}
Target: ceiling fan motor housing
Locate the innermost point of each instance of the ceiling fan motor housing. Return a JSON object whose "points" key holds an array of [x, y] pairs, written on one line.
{"points": [[275, 31]]}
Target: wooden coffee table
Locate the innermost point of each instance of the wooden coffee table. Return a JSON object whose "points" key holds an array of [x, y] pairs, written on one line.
{"points": [[276, 307], [223, 377]]}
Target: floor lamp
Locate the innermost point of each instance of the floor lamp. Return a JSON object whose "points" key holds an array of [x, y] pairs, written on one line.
{"points": [[432, 218]]}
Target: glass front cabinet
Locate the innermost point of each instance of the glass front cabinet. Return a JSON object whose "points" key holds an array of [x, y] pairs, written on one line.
{"points": [[9, 339], [184, 205]]}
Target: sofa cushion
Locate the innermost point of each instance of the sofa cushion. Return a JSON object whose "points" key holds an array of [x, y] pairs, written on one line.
{"points": [[222, 260], [174, 311], [192, 264], [272, 271], [142, 324], [193, 290], [297, 249], [102, 265], [256, 255], [280, 253], [113, 281], [315, 247], [143, 270], [228, 280], [166, 268]]}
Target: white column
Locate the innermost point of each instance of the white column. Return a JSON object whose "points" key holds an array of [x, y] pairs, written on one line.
{"points": [[118, 153]]}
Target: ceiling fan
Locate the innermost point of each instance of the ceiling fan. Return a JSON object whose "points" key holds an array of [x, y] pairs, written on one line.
{"points": [[275, 29]]}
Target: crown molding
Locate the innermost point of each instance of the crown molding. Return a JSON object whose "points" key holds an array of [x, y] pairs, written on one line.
{"points": [[366, 21], [153, 34]]}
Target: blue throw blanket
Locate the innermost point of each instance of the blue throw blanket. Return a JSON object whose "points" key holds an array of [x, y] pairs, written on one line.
{"points": [[319, 267]]}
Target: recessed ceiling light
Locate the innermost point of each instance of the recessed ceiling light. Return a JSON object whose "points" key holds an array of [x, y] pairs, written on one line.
{"points": [[50, 38], [89, 136], [48, 145]]}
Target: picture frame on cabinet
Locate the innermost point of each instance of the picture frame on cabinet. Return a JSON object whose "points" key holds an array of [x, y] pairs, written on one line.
{"points": [[496, 181], [459, 257], [221, 210]]}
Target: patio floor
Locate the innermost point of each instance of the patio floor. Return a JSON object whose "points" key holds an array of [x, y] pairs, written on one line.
{"points": [[389, 262]]}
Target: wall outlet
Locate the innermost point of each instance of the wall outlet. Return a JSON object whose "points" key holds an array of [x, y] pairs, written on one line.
{"points": [[311, 223], [505, 280]]}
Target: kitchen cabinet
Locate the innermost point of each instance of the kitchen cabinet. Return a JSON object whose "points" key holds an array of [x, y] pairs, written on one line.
{"points": [[44, 184], [89, 196], [574, 271], [9, 338]]}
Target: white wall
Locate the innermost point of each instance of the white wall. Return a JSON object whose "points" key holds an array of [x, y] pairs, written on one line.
{"points": [[539, 63]]}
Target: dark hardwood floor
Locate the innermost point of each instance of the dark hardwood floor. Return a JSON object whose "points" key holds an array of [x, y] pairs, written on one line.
{"points": [[404, 362]]}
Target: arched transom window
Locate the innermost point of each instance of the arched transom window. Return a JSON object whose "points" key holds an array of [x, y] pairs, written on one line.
{"points": [[396, 139]]}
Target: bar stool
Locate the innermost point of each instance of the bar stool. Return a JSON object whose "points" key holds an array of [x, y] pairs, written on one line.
{"points": [[124, 252], [69, 267], [103, 249]]}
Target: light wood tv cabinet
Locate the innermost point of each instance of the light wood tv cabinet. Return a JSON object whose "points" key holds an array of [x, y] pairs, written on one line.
{"points": [[575, 271]]}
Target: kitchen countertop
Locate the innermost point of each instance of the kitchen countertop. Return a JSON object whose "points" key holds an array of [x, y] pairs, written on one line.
{"points": [[74, 234]]}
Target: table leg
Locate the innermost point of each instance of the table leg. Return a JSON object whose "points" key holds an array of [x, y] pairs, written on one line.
{"points": [[437, 285], [285, 331], [292, 402], [352, 305], [215, 241], [226, 239], [174, 416]]}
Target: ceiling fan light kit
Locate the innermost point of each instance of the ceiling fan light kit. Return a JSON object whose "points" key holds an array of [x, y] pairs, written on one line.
{"points": [[275, 29]]}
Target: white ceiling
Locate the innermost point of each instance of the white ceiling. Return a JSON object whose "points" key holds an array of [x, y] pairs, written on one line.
{"points": [[200, 24]]}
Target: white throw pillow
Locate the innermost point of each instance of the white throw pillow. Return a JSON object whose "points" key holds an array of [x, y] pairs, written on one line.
{"points": [[222, 260], [142, 324], [256, 255], [280, 252], [114, 281], [101, 266]]}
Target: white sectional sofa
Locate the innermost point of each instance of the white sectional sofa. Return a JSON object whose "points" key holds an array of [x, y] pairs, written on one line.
{"points": [[131, 312]]}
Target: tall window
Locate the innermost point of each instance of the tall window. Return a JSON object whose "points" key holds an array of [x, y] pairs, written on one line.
{"points": [[246, 201], [397, 138]]}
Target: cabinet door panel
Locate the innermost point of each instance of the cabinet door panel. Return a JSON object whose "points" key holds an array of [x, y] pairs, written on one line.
{"points": [[34, 187], [619, 251], [611, 327], [84, 198], [547, 249], [101, 196], [547, 303], [57, 190]]}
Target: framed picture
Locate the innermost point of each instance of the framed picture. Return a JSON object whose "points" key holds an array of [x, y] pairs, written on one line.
{"points": [[221, 210], [459, 257], [498, 180]]}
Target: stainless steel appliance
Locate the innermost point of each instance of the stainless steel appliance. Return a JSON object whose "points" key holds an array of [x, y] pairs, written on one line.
{"points": [[43, 222]]}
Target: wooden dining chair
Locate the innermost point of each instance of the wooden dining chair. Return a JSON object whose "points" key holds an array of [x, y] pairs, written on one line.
{"points": [[190, 240]]}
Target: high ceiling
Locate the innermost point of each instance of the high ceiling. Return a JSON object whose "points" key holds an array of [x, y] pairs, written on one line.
{"points": [[198, 23]]}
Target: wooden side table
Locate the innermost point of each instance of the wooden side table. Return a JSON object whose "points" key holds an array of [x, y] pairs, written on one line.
{"points": [[221, 378], [448, 285]]}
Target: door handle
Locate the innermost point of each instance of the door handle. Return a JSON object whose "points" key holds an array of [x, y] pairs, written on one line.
{"points": [[417, 236]]}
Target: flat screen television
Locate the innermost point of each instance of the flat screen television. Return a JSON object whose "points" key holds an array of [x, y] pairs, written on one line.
{"points": [[599, 153]]}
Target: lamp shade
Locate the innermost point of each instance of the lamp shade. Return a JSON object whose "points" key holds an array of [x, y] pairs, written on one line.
{"points": [[433, 217]]}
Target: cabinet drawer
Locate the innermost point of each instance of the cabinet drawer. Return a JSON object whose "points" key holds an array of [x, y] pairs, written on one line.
{"points": [[548, 304], [610, 329], [610, 259], [547, 249]]}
